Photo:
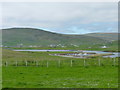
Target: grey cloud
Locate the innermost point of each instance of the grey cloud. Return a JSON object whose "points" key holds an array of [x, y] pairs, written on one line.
{"points": [[58, 16]]}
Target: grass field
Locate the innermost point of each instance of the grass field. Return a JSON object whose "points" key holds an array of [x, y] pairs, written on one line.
{"points": [[78, 76], [0, 77]]}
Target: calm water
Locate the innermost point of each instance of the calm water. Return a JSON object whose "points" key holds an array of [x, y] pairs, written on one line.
{"points": [[116, 54]]}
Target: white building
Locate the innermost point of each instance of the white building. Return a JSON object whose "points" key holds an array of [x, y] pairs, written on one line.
{"points": [[104, 47]]}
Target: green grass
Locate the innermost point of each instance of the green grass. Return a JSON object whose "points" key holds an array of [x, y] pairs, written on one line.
{"points": [[0, 68], [75, 77], [0, 77], [42, 57], [53, 76]]}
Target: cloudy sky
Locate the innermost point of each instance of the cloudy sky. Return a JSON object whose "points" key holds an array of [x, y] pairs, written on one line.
{"points": [[62, 17]]}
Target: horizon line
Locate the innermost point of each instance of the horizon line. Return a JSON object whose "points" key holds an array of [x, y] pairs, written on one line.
{"points": [[57, 32]]}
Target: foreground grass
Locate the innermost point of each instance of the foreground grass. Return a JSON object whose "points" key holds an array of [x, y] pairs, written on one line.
{"points": [[66, 77], [78, 76], [0, 77]]}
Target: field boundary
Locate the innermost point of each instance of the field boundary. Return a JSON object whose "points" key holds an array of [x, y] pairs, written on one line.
{"points": [[62, 63]]}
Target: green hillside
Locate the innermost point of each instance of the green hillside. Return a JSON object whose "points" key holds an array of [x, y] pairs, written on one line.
{"points": [[30, 36], [105, 36]]}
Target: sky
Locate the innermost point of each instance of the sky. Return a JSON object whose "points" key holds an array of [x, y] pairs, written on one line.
{"points": [[61, 17]]}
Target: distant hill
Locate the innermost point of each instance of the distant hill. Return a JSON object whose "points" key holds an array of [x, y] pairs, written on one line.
{"points": [[31, 36], [105, 36]]}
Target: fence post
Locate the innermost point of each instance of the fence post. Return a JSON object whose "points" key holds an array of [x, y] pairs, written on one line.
{"points": [[36, 63], [26, 63], [6, 63], [71, 63], [16, 63], [99, 61], [59, 63], [114, 61], [47, 64], [84, 62]]}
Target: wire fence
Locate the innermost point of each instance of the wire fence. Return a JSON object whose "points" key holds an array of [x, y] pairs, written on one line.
{"points": [[63, 63]]}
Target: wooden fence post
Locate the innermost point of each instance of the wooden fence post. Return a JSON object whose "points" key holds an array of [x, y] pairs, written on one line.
{"points": [[26, 63], [114, 61], [71, 63], [59, 63], [99, 61], [36, 63], [47, 64], [84, 62], [6, 63], [16, 63]]}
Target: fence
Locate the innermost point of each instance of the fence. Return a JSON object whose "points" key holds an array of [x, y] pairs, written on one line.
{"points": [[63, 63]]}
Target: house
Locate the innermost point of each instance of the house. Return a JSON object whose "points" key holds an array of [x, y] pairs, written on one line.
{"points": [[103, 46]]}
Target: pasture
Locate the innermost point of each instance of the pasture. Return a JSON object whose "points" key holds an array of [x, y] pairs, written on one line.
{"points": [[46, 71], [64, 77]]}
